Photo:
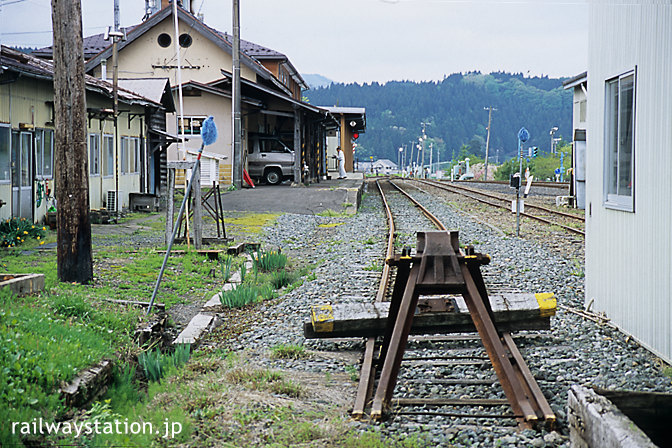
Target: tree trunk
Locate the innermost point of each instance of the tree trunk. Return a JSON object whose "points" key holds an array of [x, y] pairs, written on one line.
{"points": [[72, 175]]}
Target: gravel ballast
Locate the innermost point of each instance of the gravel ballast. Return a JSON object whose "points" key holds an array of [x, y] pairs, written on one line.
{"points": [[347, 254]]}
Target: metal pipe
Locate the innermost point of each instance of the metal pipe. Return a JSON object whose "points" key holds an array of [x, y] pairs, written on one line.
{"points": [[176, 227]]}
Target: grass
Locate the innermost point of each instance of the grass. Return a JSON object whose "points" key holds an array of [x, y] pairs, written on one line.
{"points": [[223, 400], [374, 266], [288, 351], [246, 294], [47, 340], [156, 364], [265, 379], [281, 279], [270, 261], [667, 371], [249, 222], [577, 268], [329, 213]]}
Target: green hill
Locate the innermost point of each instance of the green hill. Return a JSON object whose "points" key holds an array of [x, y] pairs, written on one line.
{"points": [[454, 112]]}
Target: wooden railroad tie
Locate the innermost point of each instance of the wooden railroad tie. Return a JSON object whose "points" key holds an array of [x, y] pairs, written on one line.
{"points": [[440, 268]]}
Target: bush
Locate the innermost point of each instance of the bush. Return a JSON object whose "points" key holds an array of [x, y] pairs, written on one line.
{"points": [[15, 231]]}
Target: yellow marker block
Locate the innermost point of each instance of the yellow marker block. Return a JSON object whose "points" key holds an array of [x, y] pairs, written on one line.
{"points": [[547, 303], [322, 318]]}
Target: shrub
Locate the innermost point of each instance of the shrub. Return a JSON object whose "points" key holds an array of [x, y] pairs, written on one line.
{"points": [[15, 231]]}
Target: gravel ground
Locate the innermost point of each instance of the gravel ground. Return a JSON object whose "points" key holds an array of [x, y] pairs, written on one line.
{"points": [[348, 251]]}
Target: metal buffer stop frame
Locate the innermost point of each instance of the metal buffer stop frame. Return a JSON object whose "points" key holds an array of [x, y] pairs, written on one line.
{"points": [[440, 267]]}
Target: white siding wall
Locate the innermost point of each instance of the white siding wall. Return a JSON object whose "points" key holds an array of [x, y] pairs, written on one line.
{"points": [[628, 266]]}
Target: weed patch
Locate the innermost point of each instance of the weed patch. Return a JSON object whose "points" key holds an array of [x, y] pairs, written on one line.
{"points": [[245, 294], [288, 351], [156, 364]]}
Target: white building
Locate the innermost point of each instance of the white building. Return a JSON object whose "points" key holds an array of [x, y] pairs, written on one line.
{"points": [[628, 169]]}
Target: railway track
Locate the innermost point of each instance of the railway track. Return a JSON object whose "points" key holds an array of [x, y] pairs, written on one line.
{"points": [[544, 214], [443, 376], [540, 184]]}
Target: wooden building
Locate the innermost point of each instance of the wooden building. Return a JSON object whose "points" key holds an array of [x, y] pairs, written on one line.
{"points": [[272, 87], [118, 166]]}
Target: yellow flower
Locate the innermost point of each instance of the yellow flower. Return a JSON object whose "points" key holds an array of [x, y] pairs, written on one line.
{"points": [[18, 237], [38, 237], [41, 243], [25, 232], [44, 228], [32, 227]]}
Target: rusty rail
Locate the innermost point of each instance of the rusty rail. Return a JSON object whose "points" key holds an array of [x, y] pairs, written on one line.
{"points": [[368, 371], [440, 267], [460, 190]]}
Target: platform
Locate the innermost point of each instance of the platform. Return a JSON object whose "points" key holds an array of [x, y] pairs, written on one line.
{"points": [[338, 195]]}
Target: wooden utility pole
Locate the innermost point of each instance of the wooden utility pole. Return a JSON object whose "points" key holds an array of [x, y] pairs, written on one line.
{"points": [[236, 102], [72, 174]]}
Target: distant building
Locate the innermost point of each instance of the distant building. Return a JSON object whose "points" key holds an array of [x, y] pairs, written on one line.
{"points": [[628, 176], [382, 167], [579, 85]]}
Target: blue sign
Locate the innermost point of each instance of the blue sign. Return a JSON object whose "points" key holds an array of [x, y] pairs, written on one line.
{"points": [[557, 171], [523, 135]]}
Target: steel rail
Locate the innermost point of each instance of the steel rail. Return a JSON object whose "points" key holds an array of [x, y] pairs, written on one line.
{"points": [[424, 211], [524, 396], [506, 182], [495, 196], [368, 371], [537, 218]]}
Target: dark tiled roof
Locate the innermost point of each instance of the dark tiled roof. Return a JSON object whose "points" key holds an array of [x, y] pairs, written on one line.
{"points": [[252, 49], [96, 43], [32, 66], [92, 45]]}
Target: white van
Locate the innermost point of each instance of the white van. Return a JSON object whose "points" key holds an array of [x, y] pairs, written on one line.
{"points": [[269, 159]]}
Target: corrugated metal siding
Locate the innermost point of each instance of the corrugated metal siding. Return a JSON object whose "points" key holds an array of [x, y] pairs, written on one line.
{"points": [[628, 266]]}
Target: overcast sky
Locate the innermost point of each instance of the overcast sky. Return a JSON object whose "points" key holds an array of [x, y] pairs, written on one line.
{"points": [[368, 40]]}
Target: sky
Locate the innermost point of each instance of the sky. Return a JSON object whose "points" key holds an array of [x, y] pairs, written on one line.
{"points": [[368, 40]]}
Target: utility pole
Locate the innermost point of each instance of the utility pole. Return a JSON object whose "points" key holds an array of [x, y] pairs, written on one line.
{"points": [[236, 102], [74, 258], [431, 157], [487, 140], [422, 142], [115, 35]]}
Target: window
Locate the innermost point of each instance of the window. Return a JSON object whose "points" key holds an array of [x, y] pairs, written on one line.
{"points": [[94, 154], [185, 40], [130, 155], [191, 125], [44, 153], [619, 142], [164, 40], [125, 143], [5, 133], [108, 154], [135, 159]]}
